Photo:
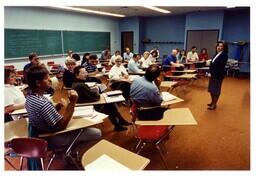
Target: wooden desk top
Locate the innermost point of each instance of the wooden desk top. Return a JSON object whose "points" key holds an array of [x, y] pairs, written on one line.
{"points": [[168, 83], [175, 116], [19, 128], [127, 158], [167, 103], [185, 71], [184, 76]]}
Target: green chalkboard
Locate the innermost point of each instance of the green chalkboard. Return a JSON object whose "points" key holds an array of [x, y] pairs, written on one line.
{"points": [[81, 41], [21, 42]]}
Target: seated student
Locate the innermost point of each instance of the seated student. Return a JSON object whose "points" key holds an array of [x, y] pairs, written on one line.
{"points": [[144, 90], [119, 78], [113, 58], [13, 97], [57, 79], [105, 54], [181, 58], [85, 59], [145, 60], [133, 65], [192, 55], [203, 56], [68, 76], [153, 56], [87, 94], [91, 66], [157, 51], [45, 118], [127, 54], [76, 57], [70, 52], [34, 60], [172, 60]]}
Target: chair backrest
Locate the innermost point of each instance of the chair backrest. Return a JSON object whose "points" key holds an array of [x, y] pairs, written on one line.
{"points": [[50, 63], [9, 66], [29, 147]]}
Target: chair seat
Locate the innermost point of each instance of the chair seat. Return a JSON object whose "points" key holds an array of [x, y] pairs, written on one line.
{"points": [[151, 133]]}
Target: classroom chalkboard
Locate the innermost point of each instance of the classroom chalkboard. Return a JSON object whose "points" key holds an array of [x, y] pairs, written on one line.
{"points": [[21, 42], [80, 41]]}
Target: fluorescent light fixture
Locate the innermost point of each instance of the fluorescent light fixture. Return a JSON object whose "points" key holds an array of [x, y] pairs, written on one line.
{"points": [[157, 9], [87, 11]]}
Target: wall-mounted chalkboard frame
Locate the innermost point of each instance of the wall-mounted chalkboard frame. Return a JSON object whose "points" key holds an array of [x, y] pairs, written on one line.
{"points": [[19, 43]]}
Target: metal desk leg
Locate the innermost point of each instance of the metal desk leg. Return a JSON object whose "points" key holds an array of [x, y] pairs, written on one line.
{"points": [[68, 151]]}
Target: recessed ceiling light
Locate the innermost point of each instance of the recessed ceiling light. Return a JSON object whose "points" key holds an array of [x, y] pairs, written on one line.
{"points": [[88, 11], [157, 9]]}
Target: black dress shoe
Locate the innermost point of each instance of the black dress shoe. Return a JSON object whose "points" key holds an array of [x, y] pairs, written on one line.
{"points": [[210, 104], [119, 128], [212, 107]]}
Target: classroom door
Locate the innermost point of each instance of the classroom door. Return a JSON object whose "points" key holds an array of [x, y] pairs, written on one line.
{"points": [[202, 39], [127, 41]]}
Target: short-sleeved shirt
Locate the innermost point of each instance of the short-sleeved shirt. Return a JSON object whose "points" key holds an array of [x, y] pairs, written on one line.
{"points": [[116, 73], [127, 56], [42, 114], [145, 93], [170, 58], [133, 66], [13, 95]]}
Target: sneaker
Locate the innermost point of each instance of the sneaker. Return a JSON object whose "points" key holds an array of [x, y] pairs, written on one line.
{"points": [[119, 128]]}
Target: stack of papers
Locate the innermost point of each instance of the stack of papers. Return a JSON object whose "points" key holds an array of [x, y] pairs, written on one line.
{"points": [[104, 162], [113, 99], [83, 111], [167, 96], [114, 93]]}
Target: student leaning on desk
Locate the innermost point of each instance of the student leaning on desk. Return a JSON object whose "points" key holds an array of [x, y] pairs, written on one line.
{"points": [[45, 118], [87, 94]]}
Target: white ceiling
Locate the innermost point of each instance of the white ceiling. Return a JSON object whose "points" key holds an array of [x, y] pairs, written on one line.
{"points": [[130, 11]]}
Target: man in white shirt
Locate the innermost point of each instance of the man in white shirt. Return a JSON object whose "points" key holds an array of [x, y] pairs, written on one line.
{"points": [[127, 54], [119, 78], [192, 55], [118, 71]]}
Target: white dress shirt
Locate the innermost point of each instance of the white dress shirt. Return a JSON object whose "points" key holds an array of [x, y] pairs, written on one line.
{"points": [[116, 72]]}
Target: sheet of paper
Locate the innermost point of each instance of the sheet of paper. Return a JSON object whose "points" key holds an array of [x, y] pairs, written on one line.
{"points": [[115, 92], [167, 96], [85, 111], [113, 99], [104, 162], [90, 84]]}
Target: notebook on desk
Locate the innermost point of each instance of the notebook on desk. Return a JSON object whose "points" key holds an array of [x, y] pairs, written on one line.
{"points": [[114, 93], [167, 96], [113, 98], [84, 111], [104, 162]]}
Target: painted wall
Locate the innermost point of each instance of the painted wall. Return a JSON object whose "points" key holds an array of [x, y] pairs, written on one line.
{"points": [[51, 19], [237, 28], [164, 29], [131, 24]]}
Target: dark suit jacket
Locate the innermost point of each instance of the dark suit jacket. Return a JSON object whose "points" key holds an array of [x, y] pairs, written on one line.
{"points": [[217, 68], [84, 92]]}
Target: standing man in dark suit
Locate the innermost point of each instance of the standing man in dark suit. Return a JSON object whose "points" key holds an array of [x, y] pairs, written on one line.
{"points": [[217, 73]]}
